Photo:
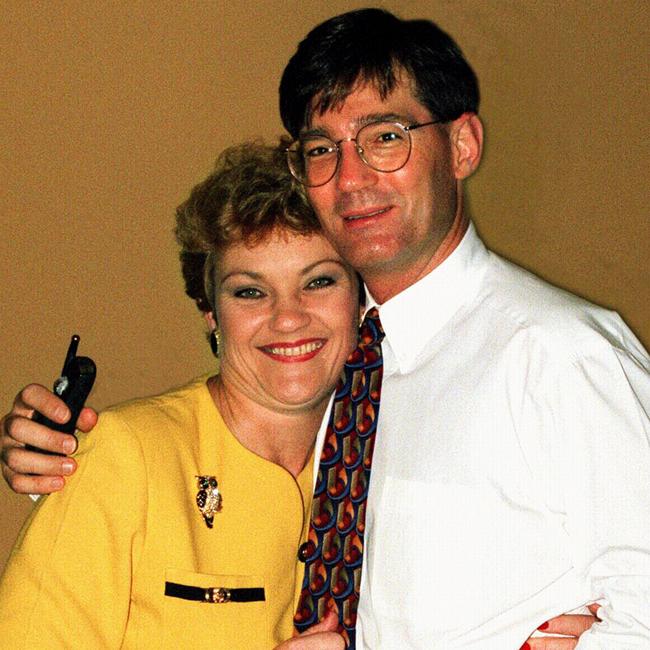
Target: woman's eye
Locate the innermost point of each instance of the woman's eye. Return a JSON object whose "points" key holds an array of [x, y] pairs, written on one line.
{"points": [[322, 282], [248, 292]]}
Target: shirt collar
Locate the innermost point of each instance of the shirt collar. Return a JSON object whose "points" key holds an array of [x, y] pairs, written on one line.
{"points": [[413, 317]]}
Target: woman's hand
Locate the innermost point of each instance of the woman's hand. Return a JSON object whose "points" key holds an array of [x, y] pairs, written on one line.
{"points": [[323, 637], [572, 625], [319, 637], [30, 472]]}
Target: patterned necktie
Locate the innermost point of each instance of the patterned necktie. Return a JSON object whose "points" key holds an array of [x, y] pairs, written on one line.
{"points": [[333, 551]]}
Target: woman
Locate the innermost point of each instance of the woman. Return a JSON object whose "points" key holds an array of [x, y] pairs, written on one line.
{"points": [[202, 493], [142, 515]]}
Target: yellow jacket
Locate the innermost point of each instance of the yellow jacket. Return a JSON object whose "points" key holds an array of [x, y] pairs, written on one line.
{"points": [[90, 566]]}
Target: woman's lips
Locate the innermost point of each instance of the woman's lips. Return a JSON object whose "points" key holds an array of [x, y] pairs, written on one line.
{"points": [[294, 351]]}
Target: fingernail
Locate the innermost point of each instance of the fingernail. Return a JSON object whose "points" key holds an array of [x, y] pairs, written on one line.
{"points": [[67, 467], [526, 646], [61, 413], [69, 445], [543, 626], [57, 483]]}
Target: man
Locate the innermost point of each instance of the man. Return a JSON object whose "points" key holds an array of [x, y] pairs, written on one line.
{"points": [[509, 479], [494, 382]]}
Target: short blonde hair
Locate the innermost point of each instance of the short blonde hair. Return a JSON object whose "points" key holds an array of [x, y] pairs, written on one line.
{"points": [[249, 195]]}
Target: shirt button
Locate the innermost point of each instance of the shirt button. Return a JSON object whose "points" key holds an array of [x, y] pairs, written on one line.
{"points": [[306, 550]]}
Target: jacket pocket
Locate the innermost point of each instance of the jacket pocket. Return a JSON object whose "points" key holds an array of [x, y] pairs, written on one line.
{"points": [[216, 610]]}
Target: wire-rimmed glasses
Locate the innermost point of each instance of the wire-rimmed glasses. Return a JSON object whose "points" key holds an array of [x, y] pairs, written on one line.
{"points": [[383, 146]]}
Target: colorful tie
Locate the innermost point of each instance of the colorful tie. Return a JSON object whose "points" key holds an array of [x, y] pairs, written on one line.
{"points": [[333, 551]]}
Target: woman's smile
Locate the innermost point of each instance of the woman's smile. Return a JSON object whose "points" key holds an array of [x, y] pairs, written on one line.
{"points": [[303, 350], [288, 309]]}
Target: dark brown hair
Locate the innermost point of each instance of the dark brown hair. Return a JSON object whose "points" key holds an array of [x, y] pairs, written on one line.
{"points": [[374, 46]]}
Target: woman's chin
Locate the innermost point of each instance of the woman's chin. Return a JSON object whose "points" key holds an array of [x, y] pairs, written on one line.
{"points": [[299, 398]]}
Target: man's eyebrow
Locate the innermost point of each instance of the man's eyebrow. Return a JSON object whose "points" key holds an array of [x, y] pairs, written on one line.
{"points": [[358, 122], [381, 117]]}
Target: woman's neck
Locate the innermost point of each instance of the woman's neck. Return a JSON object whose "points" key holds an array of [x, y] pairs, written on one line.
{"points": [[284, 437]]}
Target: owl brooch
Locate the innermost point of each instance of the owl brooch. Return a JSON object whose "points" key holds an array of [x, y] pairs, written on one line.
{"points": [[208, 498]]}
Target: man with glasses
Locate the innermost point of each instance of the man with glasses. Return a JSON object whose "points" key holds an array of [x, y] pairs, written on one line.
{"points": [[384, 146], [511, 464]]}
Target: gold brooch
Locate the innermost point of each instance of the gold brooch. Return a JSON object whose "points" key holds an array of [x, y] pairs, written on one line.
{"points": [[208, 498]]}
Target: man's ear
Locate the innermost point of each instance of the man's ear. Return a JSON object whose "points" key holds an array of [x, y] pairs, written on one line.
{"points": [[210, 320], [466, 135]]}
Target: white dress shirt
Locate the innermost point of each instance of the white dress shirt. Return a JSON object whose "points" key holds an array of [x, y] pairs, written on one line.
{"points": [[511, 473]]}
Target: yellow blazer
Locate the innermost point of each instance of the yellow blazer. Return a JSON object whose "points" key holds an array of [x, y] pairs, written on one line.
{"points": [[90, 566]]}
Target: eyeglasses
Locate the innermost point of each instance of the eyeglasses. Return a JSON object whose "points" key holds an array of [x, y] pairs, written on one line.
{"points": [[383, 146]]}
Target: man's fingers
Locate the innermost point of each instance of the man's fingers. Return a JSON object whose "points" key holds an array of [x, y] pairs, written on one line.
{"points": [[27, 471], [87, 419], [24, 461], [25, 484], [27, 432], [570, 624], [36, 397]]}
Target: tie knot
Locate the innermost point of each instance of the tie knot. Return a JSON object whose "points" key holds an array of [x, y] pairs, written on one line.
{"points": [[371, 331]]}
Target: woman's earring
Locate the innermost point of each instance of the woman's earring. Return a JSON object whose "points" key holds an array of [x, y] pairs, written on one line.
{"points": [[215, 341]]}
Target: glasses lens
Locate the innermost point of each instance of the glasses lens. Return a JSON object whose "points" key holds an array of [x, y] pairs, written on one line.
{"points": [[385, 146], [313, 160]]}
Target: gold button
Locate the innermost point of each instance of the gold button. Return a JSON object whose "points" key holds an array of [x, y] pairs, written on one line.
{"points": [[217, 595]]}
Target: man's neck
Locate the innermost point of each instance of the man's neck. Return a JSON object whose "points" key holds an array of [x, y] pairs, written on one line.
{"points": [[383, 287]]}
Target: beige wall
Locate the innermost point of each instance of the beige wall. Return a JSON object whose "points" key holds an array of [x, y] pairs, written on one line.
{"points": [[113, 110]]}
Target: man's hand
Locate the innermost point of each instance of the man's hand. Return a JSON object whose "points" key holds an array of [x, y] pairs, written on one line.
{"points": [[30, 472], [572, 625], [319, 637]]}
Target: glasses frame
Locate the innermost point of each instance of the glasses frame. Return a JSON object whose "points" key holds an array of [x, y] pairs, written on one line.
{"points": [[291, 150]]}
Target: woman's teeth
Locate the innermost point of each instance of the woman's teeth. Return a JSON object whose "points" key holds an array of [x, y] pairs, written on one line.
{"points": [[296, 351]]}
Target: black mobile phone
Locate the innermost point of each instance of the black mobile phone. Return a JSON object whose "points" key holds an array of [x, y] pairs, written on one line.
{"points": [[73, 387]]}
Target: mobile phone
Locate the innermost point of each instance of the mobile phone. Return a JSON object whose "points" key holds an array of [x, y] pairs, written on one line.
{"points": [[73, 387]]}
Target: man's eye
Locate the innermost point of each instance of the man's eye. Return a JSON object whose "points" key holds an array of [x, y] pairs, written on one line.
{"points": [[388, 137], [311, 150], [248, 292], [321, 282]]}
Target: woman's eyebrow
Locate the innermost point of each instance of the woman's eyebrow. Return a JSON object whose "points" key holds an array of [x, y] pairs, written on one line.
{"points": [[325, 260], [251, 274]]}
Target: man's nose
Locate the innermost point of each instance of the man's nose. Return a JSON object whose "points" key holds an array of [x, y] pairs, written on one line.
{"points": [[353, 173]]}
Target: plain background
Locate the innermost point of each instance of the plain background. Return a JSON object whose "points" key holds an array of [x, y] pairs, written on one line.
{"points": [[113, 110]]}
